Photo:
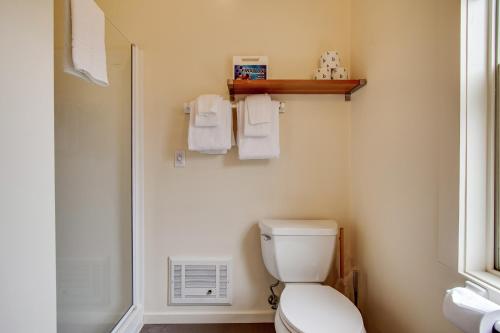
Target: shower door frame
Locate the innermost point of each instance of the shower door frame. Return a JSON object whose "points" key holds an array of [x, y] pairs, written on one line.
{"points": [[132, 321]]}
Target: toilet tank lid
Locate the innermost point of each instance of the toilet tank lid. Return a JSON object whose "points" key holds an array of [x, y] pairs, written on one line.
{"points": [[298, 227]]}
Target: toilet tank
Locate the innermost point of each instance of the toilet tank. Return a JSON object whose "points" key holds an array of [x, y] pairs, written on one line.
{"points": [[298, 250]]}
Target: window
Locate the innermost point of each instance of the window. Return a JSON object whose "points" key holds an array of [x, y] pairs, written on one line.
{"points": [[479, 242]]}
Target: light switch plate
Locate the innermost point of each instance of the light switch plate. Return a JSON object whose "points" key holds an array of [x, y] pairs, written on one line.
{"points": [[180, 159]]}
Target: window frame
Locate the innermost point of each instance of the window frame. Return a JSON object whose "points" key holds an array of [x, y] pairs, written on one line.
{"points": [[496, 229], [477, 144]]}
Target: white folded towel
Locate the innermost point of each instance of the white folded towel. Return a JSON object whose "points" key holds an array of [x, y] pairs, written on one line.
{"points": [[213, 139], [259, 147], [85, 47], [206, 119], [258, 107], [207, 109], [263, 112]]}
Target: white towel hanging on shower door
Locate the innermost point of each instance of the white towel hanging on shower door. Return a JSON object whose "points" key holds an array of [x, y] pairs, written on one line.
{"points": [[84, 45]]}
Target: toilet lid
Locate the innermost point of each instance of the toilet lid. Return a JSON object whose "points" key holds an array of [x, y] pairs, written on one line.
{"points": [[318, 309]]}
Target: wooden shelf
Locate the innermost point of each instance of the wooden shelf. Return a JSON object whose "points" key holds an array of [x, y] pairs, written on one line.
{"points": [[340, 87]]}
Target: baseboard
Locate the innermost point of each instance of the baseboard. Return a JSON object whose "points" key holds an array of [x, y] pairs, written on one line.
{"points": [[206, 317], [132, 322]]}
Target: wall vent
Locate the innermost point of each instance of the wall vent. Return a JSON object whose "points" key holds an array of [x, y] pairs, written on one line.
{"points": [[200, 281]]}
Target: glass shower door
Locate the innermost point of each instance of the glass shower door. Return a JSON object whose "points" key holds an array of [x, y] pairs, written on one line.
{"points": [[93, 142]]}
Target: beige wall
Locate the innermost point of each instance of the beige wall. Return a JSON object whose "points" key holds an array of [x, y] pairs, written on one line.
{"points": [[27, 235], [405, 132], [401, 130], [211, 207]]}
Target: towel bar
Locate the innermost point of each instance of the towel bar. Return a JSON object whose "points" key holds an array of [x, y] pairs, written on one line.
{"points": [[187, 108]]}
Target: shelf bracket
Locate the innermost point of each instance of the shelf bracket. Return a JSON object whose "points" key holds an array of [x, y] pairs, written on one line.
{"points": [[231, 90], [362, 83]]}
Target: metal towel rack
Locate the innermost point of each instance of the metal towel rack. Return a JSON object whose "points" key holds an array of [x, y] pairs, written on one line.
{"points": [[187, 108]]}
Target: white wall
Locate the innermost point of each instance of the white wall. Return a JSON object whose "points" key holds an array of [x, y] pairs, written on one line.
{"points": [[405, 158], [27, 235], [212, 206]]}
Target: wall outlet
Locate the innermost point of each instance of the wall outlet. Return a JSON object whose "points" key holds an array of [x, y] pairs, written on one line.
{"points": [[180, 159]]}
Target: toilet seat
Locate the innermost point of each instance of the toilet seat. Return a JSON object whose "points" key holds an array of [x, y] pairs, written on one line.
{"points": [[313, 308]]}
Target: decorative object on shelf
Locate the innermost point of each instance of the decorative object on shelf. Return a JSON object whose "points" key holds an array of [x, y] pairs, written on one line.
{"points": [[330, 68], [250, 67], [340, 73], [329, 59], [323, 73]]}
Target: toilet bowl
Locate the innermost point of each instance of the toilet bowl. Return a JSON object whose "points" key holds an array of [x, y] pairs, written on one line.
{"points": [[299, 253], [313, 308]]}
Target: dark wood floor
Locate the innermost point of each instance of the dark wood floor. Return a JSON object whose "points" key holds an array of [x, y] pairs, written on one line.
{"points": [[210, 328]]}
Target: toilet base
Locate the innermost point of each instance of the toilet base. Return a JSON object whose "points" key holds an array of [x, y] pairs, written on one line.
{"points": [[279, 326]]}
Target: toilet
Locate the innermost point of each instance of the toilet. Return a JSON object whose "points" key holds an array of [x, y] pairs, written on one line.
{"points": [[300, 253]]}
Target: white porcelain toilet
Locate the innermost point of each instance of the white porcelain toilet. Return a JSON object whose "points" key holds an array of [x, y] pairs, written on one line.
{"points": [[300, 253]]}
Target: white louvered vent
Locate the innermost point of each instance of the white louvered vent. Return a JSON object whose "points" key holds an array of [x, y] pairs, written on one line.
{"points": [[200, 281]]}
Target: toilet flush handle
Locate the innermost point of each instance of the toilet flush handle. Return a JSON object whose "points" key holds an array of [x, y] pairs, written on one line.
{"points": [[266, 237]]}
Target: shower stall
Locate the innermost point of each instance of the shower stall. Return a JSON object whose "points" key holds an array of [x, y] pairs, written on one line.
{"points": [[98, 191]]}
